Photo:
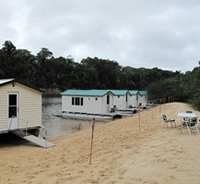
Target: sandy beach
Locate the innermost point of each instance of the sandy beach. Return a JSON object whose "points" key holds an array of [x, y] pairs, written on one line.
{"points": [[122, 153]]}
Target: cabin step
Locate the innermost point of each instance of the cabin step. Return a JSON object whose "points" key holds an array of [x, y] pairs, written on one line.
{"points": [[31, 138]]}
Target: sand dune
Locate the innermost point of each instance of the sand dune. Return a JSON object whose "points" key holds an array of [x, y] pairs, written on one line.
{"points": [[121, 154]]}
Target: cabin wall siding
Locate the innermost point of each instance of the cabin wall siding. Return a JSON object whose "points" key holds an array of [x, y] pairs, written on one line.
{"points": [[120, 102], [3, 109], [142, 99], [90, 104], [29, 103], [133, 100], [104, 106]]}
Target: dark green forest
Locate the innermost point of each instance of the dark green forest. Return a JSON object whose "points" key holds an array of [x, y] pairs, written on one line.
{"points": [[45, 71]]}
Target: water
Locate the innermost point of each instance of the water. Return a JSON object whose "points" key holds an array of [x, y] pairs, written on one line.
{"points": [[57, 126]]}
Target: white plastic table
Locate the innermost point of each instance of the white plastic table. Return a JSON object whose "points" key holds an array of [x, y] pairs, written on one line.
{"points": [[188, 116]]}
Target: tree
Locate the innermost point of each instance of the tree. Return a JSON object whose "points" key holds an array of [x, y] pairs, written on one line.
{"points": [[108, 72], [43, 70], [44, 55], [8, 47]]}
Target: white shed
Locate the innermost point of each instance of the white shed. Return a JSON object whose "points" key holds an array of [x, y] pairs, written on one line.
{"points": [[120, 99], [20, 106], [133, 98], [100, 101], [87, 101], [143, 98]]}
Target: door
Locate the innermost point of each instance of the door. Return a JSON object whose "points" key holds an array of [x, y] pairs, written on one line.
{"points": [[127, 101], [13, 120], [108, 103]]}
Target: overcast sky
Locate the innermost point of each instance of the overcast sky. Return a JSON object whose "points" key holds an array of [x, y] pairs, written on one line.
{"points": [[136, 33]]}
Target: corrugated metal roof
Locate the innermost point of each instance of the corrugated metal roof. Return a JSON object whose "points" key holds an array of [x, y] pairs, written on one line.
{"points": [[7, 81], [101, 92], [143, 93], [133, 92], [4, 81], [85, 92], [119, 92]]}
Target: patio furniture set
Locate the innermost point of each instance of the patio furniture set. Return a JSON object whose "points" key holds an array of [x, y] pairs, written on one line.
{"points": [[188, 121]]}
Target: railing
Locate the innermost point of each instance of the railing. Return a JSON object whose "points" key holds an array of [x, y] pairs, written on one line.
{"points": [[43, 131]]}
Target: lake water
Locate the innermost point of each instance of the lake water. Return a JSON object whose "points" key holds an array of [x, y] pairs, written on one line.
{"points": [[57, 126]]}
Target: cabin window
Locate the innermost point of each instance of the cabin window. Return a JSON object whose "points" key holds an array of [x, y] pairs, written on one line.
{"points": [[96, 98], [77, 101], [12, 105], [118, 96]]}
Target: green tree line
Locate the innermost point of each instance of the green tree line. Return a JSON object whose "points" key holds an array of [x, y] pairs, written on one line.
{"points": [[45, 71]]}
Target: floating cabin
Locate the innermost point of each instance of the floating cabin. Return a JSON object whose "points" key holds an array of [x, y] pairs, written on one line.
{"points": [[87, 101], [100, 101], [133, 101], [120, 99], [20, 106], [142, 98]]}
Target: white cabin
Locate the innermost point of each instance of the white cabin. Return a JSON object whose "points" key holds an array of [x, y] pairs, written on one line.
{"points": [[120, 99], [143, 98], [133, 98], [20, 106], [87, 101], [100, 101]]}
